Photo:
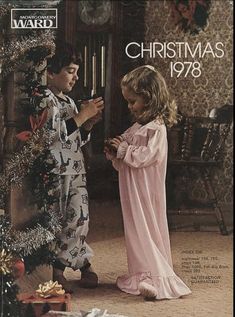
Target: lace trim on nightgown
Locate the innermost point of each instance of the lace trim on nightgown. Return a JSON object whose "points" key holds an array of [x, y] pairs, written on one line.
{"points": [[167, 287], [122, 149]]}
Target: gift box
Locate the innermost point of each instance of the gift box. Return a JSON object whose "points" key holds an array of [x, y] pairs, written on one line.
{"points": [[53, 313], [33, 305]]}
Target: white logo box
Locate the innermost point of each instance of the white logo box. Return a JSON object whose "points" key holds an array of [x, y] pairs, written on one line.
{"points": [[36, 18]]}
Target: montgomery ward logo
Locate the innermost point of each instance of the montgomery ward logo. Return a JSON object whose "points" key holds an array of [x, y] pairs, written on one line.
{"points": [[34, 18]]}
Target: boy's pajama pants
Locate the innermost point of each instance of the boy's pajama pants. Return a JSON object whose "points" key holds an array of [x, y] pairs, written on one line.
{"points": [[73, 251]]}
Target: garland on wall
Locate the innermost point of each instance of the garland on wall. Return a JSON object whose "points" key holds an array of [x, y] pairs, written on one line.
{"points": [[191, 15]]}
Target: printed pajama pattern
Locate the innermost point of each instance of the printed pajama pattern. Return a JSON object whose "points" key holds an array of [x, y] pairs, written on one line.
{"points": [[73, 207]]}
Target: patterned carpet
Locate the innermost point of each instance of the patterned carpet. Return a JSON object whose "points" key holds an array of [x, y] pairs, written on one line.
{"points": [[202, 259]]}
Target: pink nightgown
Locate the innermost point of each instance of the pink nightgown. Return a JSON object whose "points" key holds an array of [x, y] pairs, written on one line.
{"points": [[141, 162]]}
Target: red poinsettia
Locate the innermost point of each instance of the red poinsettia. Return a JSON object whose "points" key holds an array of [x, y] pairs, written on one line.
{"points": [[36, 123]]}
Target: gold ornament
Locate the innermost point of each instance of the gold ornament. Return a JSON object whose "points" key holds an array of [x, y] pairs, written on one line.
{"points": [[6, 262], [49, 289]]}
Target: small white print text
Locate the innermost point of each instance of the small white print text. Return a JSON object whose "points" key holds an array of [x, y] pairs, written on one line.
{"points": [[177, 50], [33, 18]]}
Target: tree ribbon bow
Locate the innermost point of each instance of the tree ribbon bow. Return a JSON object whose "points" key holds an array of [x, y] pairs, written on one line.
{"points": [[36, 123]]}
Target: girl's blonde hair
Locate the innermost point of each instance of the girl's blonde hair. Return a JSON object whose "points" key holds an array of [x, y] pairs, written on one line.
{"points": [[148, 83]]}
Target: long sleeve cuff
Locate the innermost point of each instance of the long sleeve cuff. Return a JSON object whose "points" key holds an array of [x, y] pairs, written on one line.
{"points": [[71, 126], [121, 152], [84, 133]]}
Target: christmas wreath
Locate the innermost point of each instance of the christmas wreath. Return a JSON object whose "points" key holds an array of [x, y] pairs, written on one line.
{"points": [[191, 15]]}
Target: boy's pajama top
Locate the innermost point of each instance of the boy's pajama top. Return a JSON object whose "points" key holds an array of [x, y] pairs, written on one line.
{"points": [[141, 163], [70, 181]]}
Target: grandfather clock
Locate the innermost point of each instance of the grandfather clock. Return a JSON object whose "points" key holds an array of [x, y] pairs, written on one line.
{"points": [[100, 30], [95, 28]]}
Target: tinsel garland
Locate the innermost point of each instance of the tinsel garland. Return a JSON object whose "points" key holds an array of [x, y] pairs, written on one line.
{"points": [[26, 242], [34, 244], [44, 227], [19, 166], [17, 52]]}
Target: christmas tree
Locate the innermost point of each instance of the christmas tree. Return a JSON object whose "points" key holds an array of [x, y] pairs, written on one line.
{"points": [[9, 307], [26, 53]]}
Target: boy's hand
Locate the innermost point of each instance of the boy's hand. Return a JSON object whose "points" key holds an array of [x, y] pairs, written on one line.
{"points": [[90, 109], [88, 125]]}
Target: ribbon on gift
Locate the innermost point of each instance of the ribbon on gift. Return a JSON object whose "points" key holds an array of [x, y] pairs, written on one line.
{"points": [[36, 123], [49, 289]]}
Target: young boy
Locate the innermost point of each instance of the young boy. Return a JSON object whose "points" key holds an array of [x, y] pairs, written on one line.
{"points": [[70, 130]]}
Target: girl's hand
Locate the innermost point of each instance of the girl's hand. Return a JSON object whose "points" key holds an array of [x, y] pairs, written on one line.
{"points": [[111, 146], [115, 142], [110, 154]]}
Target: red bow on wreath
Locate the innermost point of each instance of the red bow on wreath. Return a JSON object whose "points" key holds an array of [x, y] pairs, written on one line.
{"points": [[36, 123]]}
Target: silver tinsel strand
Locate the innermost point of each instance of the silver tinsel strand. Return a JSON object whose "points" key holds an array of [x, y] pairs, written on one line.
{"points": [[19, 166], [26, 242], [14, 54], [54, 224], [31, 240]]}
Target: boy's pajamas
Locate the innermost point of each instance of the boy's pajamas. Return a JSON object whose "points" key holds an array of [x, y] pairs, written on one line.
{"points": [[70, 185], [73, 205]]}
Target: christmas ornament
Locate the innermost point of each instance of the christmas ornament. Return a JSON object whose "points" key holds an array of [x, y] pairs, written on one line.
{"points": [[5, 262], [36, 123], [18, 268]]}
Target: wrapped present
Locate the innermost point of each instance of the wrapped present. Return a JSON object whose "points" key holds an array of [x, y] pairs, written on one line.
{"points": [[33, 305], [53, 313], [50, 289], [95, 312]]}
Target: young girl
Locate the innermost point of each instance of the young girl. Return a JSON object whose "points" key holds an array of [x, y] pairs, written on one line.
{"points": [[141, 160]]}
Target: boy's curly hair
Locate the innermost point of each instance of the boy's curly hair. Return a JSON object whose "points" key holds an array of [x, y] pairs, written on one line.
{"points": [[65, 54], [148, 83]]}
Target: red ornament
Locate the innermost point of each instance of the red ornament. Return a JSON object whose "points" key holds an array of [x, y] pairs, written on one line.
{"points": [[18, 268]]}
